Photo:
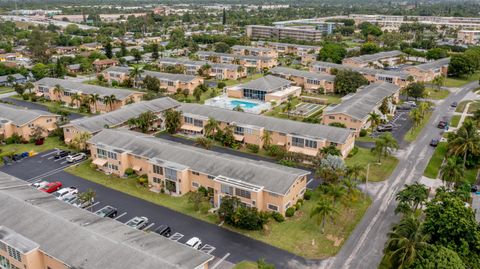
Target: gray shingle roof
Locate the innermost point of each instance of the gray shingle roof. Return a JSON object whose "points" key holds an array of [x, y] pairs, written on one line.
{"points": [[81, 239], [364, 101], [376, 57], [71, 86], [364, 70], [316, 131], [4, 79], [273, 177], [180, 61], [268, 83], [20, 116], [299, 73], [120, 116], [159, 75], [432, 65]]}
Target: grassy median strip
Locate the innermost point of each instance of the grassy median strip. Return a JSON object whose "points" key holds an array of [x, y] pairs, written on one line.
{"points": [[455, 120], [437, 94], [435, 162], [415, 131], [378, 172]]}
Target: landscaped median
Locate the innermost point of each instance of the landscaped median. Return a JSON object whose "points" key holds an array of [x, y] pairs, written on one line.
{"points": [[415, 131], [299, 234]]}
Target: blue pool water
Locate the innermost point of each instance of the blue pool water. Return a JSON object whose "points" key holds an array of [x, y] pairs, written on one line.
{"points": [[244, 104]]}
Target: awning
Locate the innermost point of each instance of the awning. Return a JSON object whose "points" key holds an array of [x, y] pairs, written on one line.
{"points": [[280, 143], [238, 137], [39, 94], [99, 162], [192, 128], [137, 168]]}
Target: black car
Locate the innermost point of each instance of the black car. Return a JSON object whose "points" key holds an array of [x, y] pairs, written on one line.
{"points": [[442, 124], [454, 104], [163, 230], [108, 211], [61, 154], [434, 142]]}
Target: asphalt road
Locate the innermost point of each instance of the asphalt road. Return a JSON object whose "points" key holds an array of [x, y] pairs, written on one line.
{"points": [[236, 246], [363, 249], [38, 106]]}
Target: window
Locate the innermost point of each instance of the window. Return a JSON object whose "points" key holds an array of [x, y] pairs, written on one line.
{"points": [[157, 180], [112, 166], [103, 154], [254, 94], [14, 253], [170, 83], [157, 170], [310, 144], [195, 184], [226, 189], [287, 205], [210, 177], [272, 207], [298, 142], [4, 263], [195, 173], [170, 174], [188, 120], [198, 123], [331, 117], [239, 130], [242, 193]]}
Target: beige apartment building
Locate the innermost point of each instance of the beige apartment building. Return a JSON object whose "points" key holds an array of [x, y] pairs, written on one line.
{"points": [[216, 70], [377, 60], [119, 118], [257, 62], [47, 87], [354, 109], [428, 71], [39, 231], [279, 33], [266, 89], [254, 51], [470, 37], [168, 81], [21, 121], [179, 169], [310, 81], [287, 48], [294, 136]]}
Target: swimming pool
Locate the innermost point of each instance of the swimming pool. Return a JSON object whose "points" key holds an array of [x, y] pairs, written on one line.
{"points": [[243, 104]]}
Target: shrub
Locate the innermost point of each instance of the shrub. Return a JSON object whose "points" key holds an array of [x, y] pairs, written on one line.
{"points": [[221, 85], [114, 83], [290, 212], [253, 148], [278, 217], [276, 152], [299, 204], [363, 132], [307, 195], [25, 96], [142, 181], [353, 152], [287, 163], [203, 191], [129, 172], [14, 139]]}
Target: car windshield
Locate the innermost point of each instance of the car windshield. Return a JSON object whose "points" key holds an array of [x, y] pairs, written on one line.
{"points": [[57, 194]]}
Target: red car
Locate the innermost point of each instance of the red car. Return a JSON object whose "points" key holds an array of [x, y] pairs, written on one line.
{"points": [[51, 187]]}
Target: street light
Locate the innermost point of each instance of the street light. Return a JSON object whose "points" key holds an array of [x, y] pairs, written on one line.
{"points": [[366, 180]]}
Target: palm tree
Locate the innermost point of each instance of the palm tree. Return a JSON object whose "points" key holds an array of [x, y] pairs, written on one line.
{"points": [[211, 127], [355, 171], [374, 119], [337, 192], [58, 90], [93, 99], [110, 101], [29, 86], [79, 142], [266, 139], [451, 172], [465, 140], [438, 81], [423, 108], [323, 210], [350, 185], [384, 146], [173, 119], [416, 116], [405, 241], [135, 73], [75, 98], [145, 121], [238, 108]]}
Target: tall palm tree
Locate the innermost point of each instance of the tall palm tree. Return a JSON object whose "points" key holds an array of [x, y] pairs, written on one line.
{"points": [[58, 90], [110, 101], [374, 119], [337, 191], [384, 146], [75, 98], [93, 99], [135, 74], [465, 140], [451, 172], [416, 116], [211, 126], [423, 108], [324, 209], [266, 139], [29, 86], [355, 171], [405, 241]]}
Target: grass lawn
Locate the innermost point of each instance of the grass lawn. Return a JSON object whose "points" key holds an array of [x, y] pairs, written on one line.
{"points": [[415, 131], [246, 265], [461, 106], [230, 82], [279, 113], [5, 89], [299, 234], [378, 172], [366, 138], [437, 94], [435, 162], [210, 93], [455, 120], [458, 82], [50, 143], [51, 104], [331, 98], [473, 107]]}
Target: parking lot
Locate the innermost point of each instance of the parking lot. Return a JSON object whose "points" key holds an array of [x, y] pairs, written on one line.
{"points": [[401, 125], [217, 241]]}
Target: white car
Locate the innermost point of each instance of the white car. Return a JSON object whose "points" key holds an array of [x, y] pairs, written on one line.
{"points": [[194, 242], [137, 222], [65, 192], [39, 185], [76, 157]]}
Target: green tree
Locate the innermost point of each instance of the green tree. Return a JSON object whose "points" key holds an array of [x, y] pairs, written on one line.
{"points": [[336, 191], [79, 141], [374, 119], [40, 71], [323, 210], [173, 120], [211, 127], [266, 139], [348, 81], [369, 48], [461, 65], [465, 140], [332, 52], [196, 199], [108, 50], [367, 29], [93, 99], [416, 116], [436, 53], [110, 101], [384, 146], [87, 197], [155, 54], [411, 197], [75, 99], [135, 74], [451, 172], [222, 47], [197, 93], [38, 45], [437, 257], [151, 84], [415, 90]]}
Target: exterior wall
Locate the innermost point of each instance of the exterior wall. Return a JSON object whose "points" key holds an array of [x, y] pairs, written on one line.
{"points": [[49, 123], [426, 76], [35, 259], [69, 133], [351, 123], [234, 93]]}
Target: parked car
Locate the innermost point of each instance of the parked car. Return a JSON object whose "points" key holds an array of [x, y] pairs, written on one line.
{"points": [[385, 128], [138, 222], [194, 242], [65, 192], [82, 204], [411, 103], [434, 142], [454, 104], [108, 211], [38, 185], [51, 187], [442, 124], [163, 230], [71, 198], [62, 153], [76, 157]]}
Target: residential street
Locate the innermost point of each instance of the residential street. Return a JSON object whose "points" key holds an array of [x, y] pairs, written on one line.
{"points": [[363, 249]]}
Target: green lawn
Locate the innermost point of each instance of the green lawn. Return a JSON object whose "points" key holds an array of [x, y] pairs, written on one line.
{"points": [[246, 265], [461, 106], [436, 94], [230, 82], [210, 93], [54, 105], [458, 82], [331, 98], [366, 138], [50, 143], [279, 113], [5, 89], [378, 172], [415, 131], [473, 107], [435, 162], [299, 234], [455, 120]]}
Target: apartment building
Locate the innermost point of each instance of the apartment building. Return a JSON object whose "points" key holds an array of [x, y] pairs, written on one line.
{"points": [[399, 78], [21, 121], [294, 136], [266, 89], [287, 48], [247, 61], [428, 71], [66, 49], [470, 37], [38, 231], [279, 33], [70, 90], [8, 57], [180, 169], [10, 80], [100, 65], [254, 51], [119, 118], [354, 109], [310, 81], [216, 70], [377, 60], [168, 81]]}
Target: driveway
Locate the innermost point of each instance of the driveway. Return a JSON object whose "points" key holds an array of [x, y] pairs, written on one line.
{"points": [[38, 106], [226, 244]]}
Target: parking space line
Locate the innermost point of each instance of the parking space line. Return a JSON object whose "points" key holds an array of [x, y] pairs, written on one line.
{"points": [[121, 215], [207, 248], [220, 261], [176, 237], [149, 226], [63, 158], [92, 205], [54, 171], [50, 153], [64, 162]]}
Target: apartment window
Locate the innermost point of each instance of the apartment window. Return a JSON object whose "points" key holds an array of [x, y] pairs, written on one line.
{"points": [[170, 174], [242, 193], [198, 123], [195, 173], [30, 125], [210, 177], [272, 207], [195, 184], [112, 166], [170, 83], [4, 263], [157, 170], [157, 180], [248, 131], [331, 117], [310, 144], [226, 189], [188, 120], [239, 130], [14, 253], [298, 142], [103, 154], [287, 205]]}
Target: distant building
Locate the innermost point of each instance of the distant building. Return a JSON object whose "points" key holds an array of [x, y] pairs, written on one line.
{"points": [[376, 60], [162, 10], [100, 65], [279, 33], [470, 37], [266, 89], [428, 71], [16, 78], [310, 81]]}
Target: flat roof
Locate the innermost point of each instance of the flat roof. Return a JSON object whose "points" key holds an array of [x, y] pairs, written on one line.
{"points": [[20, 115], [273, 177], [81, 239]]}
